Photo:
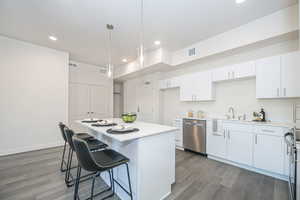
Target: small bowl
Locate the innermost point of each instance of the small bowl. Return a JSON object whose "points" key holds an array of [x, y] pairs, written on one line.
{"points": [[129, 117]]}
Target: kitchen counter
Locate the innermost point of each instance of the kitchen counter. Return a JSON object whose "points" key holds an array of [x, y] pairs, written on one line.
{"points": [[277, 124], [151, 152], [145, 129]]}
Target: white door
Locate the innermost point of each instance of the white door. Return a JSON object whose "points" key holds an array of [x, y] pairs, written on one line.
{"points": [[290, 74], [79, 104], [268, 77], [99, 101], [216, 144], [145, 101], [239, 146], [244, 70], [269, 153]]}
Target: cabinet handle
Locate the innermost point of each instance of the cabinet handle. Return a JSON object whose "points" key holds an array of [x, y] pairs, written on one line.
{"points": [[224, 134], [228, 75], [92, 112], [268, 131], [284, 91], [88, 113], [233, 75], [228, 133], [216, 134], [278, 92]]}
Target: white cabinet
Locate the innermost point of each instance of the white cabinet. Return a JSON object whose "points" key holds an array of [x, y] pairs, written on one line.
{"points": [[216, 144], [237, 71], [276, 77], [239, 143], [170, 83], [196, 87], [268, 77], [244, 70], [269, 153], [290, 74]]}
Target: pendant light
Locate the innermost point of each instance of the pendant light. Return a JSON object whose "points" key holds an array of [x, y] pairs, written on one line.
{"points": [[141, 49], [110, 28]]}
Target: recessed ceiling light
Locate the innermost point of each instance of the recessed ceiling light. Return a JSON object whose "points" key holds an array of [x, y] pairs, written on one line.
{"points": [[157, 42], [124, 60], [53, 38], [239, 1]]}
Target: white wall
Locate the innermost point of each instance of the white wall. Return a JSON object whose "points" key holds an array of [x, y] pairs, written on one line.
{"points": [[34, 96]]}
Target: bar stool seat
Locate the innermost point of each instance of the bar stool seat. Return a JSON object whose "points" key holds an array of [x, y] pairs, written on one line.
{"points": [[109, 158]]}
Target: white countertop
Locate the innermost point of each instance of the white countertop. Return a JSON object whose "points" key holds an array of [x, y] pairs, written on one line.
{"points": [[277, 124], [145, 129]]}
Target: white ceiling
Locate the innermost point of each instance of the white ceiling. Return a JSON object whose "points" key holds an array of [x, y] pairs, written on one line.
{"points": [[80, 25]]}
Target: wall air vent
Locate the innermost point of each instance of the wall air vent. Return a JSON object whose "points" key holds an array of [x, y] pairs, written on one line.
{"points": [[192, 52], [72, 65]]}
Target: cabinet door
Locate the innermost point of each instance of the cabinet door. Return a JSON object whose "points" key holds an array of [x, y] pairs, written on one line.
{"points": [[187, 88], [99, 106], [269, 153], [202, 86], [216, 144], [222, 74], [240, 147], [268, 78], [290, 72], [244, 70]]}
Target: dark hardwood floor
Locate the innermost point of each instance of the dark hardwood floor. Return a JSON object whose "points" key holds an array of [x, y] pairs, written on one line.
{"points": [[35, 176]]}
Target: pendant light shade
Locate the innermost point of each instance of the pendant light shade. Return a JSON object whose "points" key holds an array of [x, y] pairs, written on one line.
{"points": [[110, 28]]}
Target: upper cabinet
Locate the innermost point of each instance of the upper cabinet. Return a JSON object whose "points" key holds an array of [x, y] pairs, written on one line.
{"points": [[268, 77], [242, 70], [196, 87], [276, 77], [170, 83], [290, 72]]}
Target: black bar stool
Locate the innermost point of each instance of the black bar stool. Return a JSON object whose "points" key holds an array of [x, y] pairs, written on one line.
{"points": [[63, 165], [98, 162], [93, 145]]}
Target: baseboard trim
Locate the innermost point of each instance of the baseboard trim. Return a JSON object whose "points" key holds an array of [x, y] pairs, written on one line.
{"points": [[7, 152], [260, 171]]}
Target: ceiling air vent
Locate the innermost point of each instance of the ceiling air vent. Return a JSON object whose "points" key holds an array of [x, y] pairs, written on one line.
{"points": [[192, 52]]}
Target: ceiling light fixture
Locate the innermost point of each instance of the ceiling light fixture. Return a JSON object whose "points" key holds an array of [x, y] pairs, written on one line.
{"points": [[124, 60], [157, 42], [141, 50], [110, 28], [53, 38], [239, 1]]}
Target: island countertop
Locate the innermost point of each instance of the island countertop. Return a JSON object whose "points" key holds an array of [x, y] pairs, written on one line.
{"points": [[145, 129]]}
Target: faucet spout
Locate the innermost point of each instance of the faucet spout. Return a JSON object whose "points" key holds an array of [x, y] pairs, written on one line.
{"points": [[231, 111]]}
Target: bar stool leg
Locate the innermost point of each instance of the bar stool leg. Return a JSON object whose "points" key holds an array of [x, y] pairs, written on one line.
{"points": [[129, 182], [67, 175], [77, 183], [63, 159], [93, 185]]}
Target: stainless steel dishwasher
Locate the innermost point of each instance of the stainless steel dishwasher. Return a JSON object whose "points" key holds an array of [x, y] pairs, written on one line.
{"points": [[194, 135]]}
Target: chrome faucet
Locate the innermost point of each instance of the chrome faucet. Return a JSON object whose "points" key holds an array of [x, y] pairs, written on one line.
{"points": [[231, 111]]}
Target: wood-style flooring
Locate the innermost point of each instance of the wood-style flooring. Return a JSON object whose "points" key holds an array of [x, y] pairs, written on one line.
{"points": [[36, 176]]}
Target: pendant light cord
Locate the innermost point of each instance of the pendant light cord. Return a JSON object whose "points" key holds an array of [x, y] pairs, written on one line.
{"points": [[142, 35], [109, 28]]}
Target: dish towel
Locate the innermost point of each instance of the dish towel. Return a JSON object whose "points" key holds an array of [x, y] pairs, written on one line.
{"points": [[215, 125]]}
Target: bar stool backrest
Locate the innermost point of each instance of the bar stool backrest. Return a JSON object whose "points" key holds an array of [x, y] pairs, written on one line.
{"points": [[62, 127], [84, 156], [69, 134]]}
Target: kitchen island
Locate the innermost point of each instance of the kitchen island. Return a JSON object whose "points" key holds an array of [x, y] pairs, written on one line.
{"points": [[151, 151]]}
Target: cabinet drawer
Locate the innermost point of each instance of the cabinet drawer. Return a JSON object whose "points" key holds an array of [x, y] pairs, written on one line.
{"points": [[238, 127], [269, 130]]}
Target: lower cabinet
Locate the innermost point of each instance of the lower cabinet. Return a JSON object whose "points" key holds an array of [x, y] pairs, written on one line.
{"points": [[240, 147], [269, 153], [216, 144], [258, 147]]}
